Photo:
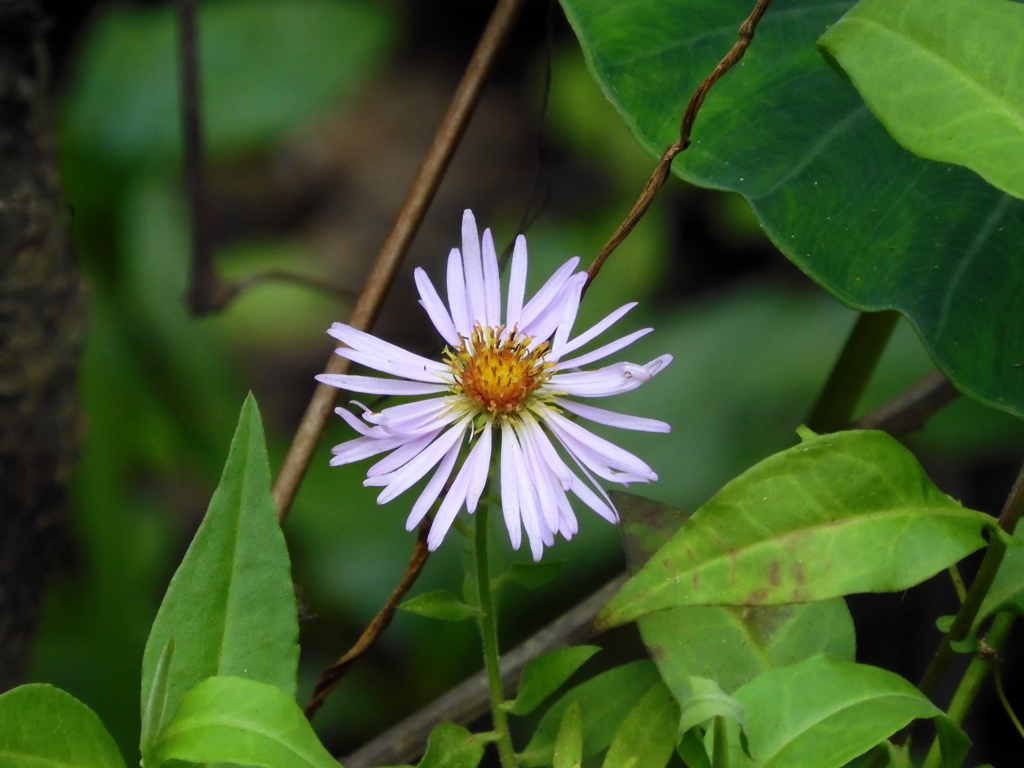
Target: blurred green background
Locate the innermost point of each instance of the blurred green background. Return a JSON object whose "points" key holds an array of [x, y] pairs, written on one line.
{"points": [[317, 113]]}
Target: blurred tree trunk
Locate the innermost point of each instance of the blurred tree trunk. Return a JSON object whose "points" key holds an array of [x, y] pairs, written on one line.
{"points": [[41, 328]]}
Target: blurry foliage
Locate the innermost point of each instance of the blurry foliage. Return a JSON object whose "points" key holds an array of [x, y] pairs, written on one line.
{"points": [[161, 389]]}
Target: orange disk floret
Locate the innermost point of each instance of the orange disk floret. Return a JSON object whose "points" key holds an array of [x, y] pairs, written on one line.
{"points": [[498, 374]]}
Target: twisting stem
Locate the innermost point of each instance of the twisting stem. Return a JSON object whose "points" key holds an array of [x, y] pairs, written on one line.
{"points": [[1001, 693], [852, 371], [333, 675], [974, 676], [661, 171], [489, 636]]}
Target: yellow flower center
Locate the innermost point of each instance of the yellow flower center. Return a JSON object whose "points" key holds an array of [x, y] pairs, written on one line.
{"points": [[498, 374]]}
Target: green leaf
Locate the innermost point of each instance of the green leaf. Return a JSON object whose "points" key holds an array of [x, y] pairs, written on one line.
{"points": [[264, 68], [691, 749], [440, 604], [569, 742], [230, 607], [545, 674], [874, 224], [731, 645], [705, 701], [824, 712], [235, 720], [734, 644], [842, 513], [43, 726], [154, 707], [530, 575], [452, 746], [934, 72], [647, 736], [604, 701]]}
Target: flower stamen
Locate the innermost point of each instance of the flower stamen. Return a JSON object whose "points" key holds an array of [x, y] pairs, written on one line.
{"points": [[498, 373]]}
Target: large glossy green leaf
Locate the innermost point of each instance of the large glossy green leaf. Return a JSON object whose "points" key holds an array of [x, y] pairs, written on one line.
{"points": [[42, 726], [604, 700], [874, 224], [231, 719], [731, 645], [265, 65], [230, 607], [936, 73], [824, 712], [840, 513]]}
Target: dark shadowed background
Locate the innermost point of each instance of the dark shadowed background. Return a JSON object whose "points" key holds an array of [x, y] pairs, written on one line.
{"points": [[317, 114]]}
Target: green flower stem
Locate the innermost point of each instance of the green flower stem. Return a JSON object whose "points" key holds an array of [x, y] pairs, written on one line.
{"points": [[979, 589], [489, 637], [974, 676], [852, 372], [721, 748]]}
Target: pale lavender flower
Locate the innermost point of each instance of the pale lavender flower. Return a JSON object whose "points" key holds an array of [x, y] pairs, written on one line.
{"points": [[504, 386]]}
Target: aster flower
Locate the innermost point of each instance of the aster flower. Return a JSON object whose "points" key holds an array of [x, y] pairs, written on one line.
{"points": [[505, 387]]}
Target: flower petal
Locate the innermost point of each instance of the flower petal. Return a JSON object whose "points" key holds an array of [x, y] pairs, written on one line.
{"points": [[543, 446], [401, 368], [509, 487], [476, 487], [587, 496], [402, 479], [613, 379], [492, 280], [611, 418], [473, 269], [533, 521], [603, 352], [473, 475], [598, 328], [457, 301], [374, 385], [544, 324], [436, 310], [354, 421], [366, 342], [402, 455], [616, 456], [547, 499], [433, 488], [516, 284], [415, 418], [548, 293], [568, 316], [602, 457], [363, 448]]}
